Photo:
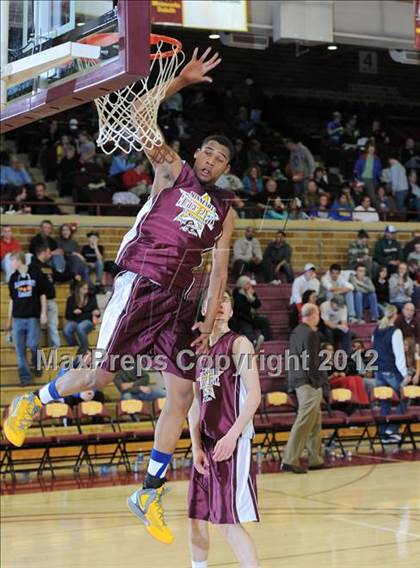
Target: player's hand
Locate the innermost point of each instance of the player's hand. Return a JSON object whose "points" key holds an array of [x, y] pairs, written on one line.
{"points": [[43, 318], [201, 343], [201, 462], [225, 447], [196, 69]]}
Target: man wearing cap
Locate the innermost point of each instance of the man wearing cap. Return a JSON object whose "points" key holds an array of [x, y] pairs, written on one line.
{"points": [[307, 281], [93, 253], [334, 284], [359, 252], [334, 324], [388, 251]]}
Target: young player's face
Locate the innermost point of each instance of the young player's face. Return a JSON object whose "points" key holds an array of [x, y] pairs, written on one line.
{"points": [[224, 313], [211, 161]]}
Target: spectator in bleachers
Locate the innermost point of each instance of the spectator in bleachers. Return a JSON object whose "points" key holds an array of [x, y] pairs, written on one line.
{"points": [[75, 263], [269, 201], [339, 379], [278, 256], [407, 323], [41, 264], [248, 256], [44, 205], [257, 156], [325, 181], [82, 314], [242, 122], [14, 174], [364, 212], [311, 196], [120, 163], [334, 284], [415, 254], [413, 198], [378, 133], [400, 287], [274, 170], [295, 211], [9, 245], [368, 169], [93, 253], [359, 252], [84, 361], [68, 166], [335, 129], [308, 297], [18, 195], [86, 148], [137, 386], [27, 311], [382, 288], [387, 251], [398, 182], [334, 323], [322, 210], [301, 164], [253, 182], [411, 244], [137, 177], [44, 238], [304, 282], [341, 209], [410, 155], [128, 196], [385, 202], [392, 369], [73, 128], [412, 358], [351, 130], [245, 317], [239, 162], [364, 294]]}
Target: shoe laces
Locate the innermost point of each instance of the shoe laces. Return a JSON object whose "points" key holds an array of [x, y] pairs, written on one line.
{"points": [[159, 507], [27, 418]]}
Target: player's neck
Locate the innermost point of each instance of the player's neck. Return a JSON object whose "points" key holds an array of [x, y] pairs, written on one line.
{"points": [[219, 329]]}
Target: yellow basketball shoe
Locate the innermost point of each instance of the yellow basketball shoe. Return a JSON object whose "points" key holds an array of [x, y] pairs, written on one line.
{"points": [[146, 504], [21, 414]]}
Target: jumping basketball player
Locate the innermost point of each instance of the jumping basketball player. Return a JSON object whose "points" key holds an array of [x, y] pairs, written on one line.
{"points": [[149, 311], [222, 487]]}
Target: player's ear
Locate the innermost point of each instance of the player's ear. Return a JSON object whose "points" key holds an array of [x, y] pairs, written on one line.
{"points": [[196, 153], [227, 169]]}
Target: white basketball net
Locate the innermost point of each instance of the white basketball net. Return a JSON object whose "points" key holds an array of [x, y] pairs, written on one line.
{"points": [[128, 117]]}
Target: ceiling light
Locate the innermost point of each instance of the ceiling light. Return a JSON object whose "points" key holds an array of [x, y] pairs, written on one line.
{"points": [[332, 47], [214, 35]]}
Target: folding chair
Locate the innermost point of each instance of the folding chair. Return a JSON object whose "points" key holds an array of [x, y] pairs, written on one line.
{"points": [[384, 393], [86, 411], [133, 430], [280, 413], [410, 395], [50, 414], [334, 417]]}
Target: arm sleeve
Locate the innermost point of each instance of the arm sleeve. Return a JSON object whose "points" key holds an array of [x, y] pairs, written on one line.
{"points": [[398, 350], [257, 249], [69, 308], [313, 357]]}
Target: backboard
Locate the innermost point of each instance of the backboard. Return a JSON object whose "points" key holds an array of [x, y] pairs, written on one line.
{"points": [[58, 54]]}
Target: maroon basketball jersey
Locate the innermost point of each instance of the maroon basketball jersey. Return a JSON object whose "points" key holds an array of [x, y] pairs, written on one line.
{"points": [[222, 393], [173, 229]]}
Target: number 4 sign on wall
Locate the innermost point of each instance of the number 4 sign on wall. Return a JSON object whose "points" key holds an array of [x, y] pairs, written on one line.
{"points": [[368, 62]]}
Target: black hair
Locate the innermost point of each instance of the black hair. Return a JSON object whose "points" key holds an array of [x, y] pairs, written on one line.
{"points": [[224, 141], [335, 266], [41, 248], [46, 221], [359, 265], [362, 234]]}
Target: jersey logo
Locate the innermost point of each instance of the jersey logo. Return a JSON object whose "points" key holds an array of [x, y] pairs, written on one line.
{"points": [[209, 379], [197, 212]]}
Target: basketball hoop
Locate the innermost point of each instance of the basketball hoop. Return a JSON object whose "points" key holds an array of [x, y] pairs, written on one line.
{"points": [[128, 117]]}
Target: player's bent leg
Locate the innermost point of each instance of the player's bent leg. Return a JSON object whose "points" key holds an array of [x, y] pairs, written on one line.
{"points": [[199, 542], [24, 408], [241, 543], [146, 503]]}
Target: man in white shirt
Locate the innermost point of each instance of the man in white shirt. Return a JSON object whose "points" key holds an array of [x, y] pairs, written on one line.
{"points": [[334, 284], [307, 281], [333, 323], [364, 212], [248, 256]]}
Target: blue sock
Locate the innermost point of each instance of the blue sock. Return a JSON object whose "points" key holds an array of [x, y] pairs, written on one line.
{"points": [[49, 392], [158, 463]]}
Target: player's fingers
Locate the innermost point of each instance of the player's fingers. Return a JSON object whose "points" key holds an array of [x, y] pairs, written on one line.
{"points": [[210, 66], [203, 57], [200, 468], [212, 58], [195, 53]]}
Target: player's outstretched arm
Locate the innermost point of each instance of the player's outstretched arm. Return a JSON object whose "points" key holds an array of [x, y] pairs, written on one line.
{"points": [[246, 366], [217, 284], [166, 163]]}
